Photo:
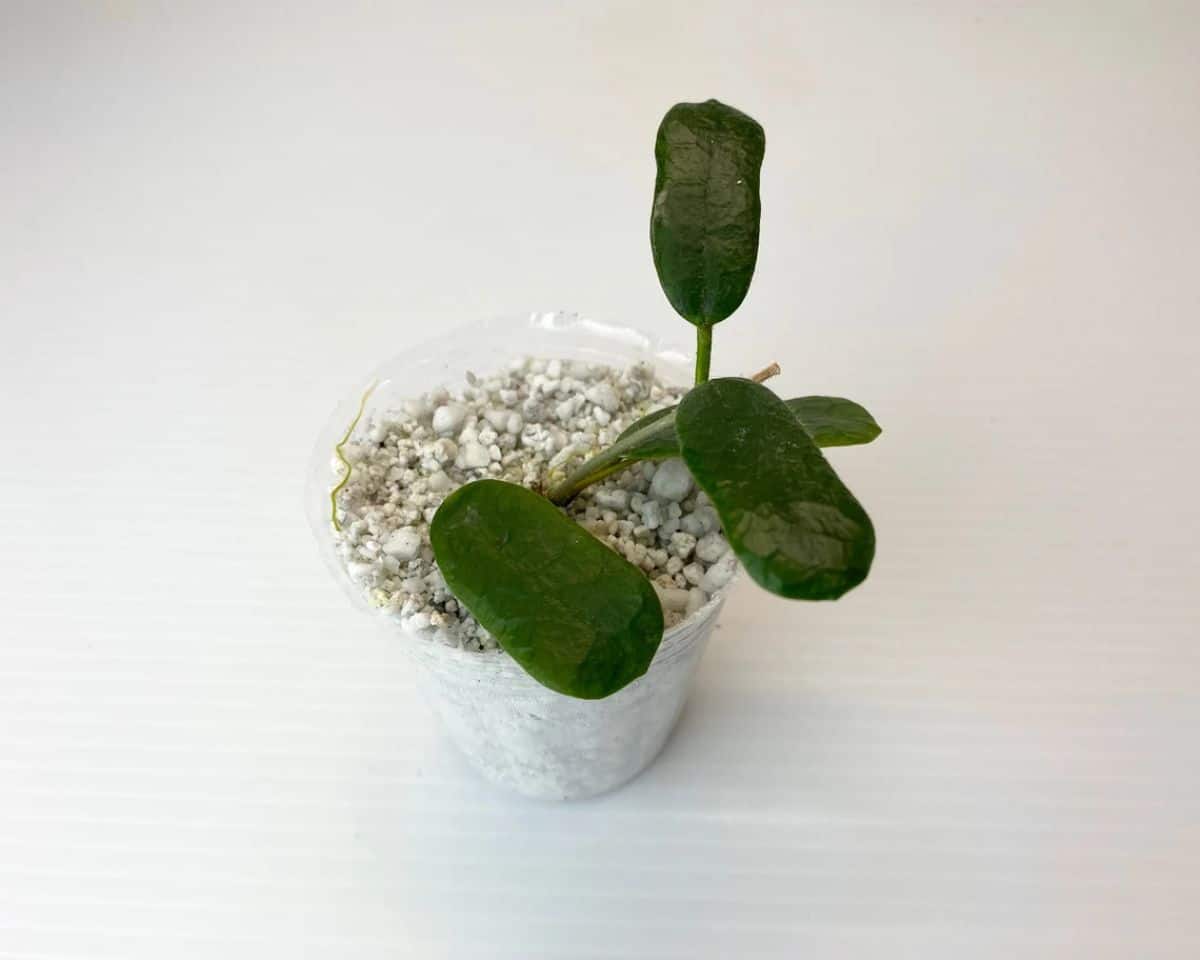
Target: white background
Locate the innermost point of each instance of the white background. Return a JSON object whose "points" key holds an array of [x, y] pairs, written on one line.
{"points": [[980, 220]]}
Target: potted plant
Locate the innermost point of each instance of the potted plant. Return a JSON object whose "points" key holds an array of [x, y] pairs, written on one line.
{"points": [[557, 537]]}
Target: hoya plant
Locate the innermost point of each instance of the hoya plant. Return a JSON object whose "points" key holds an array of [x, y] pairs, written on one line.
{"points": [[576, 615]]}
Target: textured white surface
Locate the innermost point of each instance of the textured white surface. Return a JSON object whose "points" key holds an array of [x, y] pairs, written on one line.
{"points": [[541, 744], [980, 221]]}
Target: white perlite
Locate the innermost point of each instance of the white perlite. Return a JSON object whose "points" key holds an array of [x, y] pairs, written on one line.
{"points": [[530, 424]]}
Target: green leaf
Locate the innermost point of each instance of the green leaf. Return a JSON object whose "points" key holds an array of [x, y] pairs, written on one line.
{"points": [[650, 438], [835, 421], [578, 617], [704, 222], [830, 421], [643, 422], [796, 528]]}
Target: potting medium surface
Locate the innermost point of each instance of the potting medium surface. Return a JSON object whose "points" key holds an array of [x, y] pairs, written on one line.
{"points": [[537, 417]]}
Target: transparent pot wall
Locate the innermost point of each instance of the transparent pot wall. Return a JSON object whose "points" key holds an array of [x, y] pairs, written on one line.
{"points": [[515, 731], [542, 744]]}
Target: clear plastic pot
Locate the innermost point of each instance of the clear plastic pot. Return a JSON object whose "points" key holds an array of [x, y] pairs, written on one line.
{"points": [[516, 732]]}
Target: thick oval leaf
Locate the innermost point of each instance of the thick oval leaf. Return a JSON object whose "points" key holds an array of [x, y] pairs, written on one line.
{"points": [[578, 617], [835, 421], [704, 222], [796, 528], [830, 421]]}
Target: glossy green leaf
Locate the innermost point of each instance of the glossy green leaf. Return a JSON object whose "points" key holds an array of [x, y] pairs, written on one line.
{"points": [[835, 421], [578, 617], [830, 421], [793, 524], [704, 222]]}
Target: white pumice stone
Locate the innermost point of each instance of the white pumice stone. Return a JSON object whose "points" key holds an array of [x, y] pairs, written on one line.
{"points": [[613, 499], [652, 514], [711, 547], [696, 598], [682, 544], [531, 423], [671, 481], [563, 455], [720, 573], [707, 515], [448, 418], [444, 451], [497, 418], [604, 397], [672, 598], [404, 544], [474, 455]]}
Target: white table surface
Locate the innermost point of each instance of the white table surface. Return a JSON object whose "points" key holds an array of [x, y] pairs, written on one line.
{"points": [[981, 220]]}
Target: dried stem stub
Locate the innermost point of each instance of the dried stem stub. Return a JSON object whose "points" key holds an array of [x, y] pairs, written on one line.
{"points": [[766, 373]]}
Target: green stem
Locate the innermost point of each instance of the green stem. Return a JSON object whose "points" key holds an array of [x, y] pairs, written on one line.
{"points": [[610, 461], [703, 353], [591, 471], [339, 452]]}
